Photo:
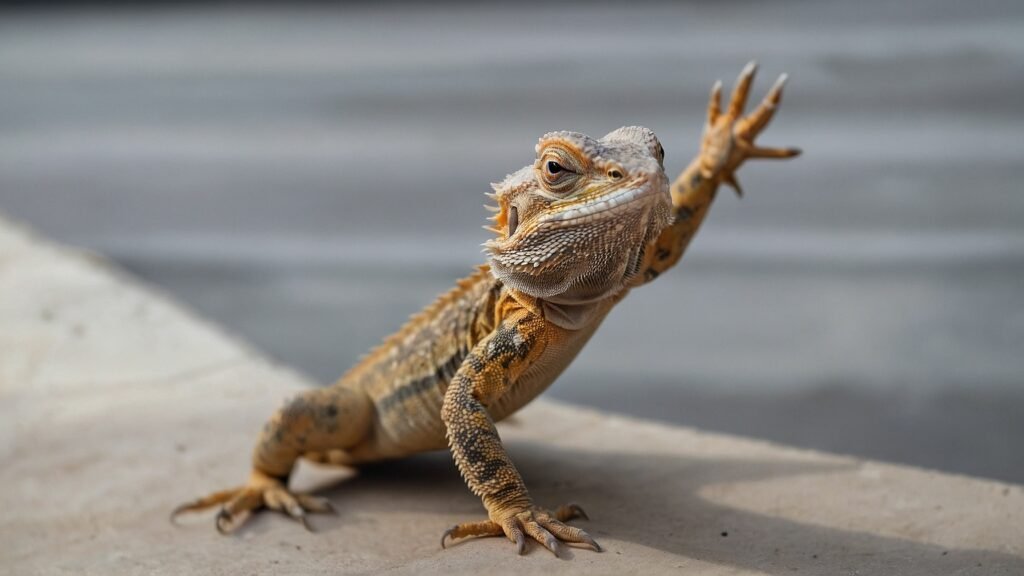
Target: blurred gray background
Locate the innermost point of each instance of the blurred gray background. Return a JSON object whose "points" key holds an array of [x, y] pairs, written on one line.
{"points": [[310, 176]]}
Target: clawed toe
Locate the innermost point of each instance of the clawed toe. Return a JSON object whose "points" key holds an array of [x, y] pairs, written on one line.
{"points": [[224, 522], [468, 529], [239, 503], [547, 529]]}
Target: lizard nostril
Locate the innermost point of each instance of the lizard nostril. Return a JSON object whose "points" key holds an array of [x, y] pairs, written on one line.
{"points": [[615, 174]]}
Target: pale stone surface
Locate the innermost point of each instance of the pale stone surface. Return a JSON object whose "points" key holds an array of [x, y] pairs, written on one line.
{"points": [[115, 405]]}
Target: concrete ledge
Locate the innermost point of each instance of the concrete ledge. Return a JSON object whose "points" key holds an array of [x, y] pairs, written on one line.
{"points": [[115, 405]]}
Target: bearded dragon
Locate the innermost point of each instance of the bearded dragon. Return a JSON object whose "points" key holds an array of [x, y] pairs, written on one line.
{"points": [[575, 232]]}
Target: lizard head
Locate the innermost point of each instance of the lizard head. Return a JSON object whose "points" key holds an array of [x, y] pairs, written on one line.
{"points": [[572, 227]]}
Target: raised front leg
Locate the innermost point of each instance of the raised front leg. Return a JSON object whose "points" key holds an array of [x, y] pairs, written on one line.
{"points": [[487, 373], [315, 421], [727, 143]]}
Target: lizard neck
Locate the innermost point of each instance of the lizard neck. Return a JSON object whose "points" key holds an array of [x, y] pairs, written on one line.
{"points": [[568, 315]]}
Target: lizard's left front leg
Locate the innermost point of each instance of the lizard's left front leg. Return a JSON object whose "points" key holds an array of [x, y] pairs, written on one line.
{"points": [[484, 376], [727, 143]]}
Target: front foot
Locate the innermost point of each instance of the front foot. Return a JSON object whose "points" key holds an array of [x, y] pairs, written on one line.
{"points": [[262, 491], [545, 527], [729, 135]]}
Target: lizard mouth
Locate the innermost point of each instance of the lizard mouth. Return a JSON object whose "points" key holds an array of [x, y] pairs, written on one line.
{"points": [[617, 201]]}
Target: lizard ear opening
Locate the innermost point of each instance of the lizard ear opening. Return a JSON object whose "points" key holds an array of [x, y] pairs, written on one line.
{"points": [[513, 220]]}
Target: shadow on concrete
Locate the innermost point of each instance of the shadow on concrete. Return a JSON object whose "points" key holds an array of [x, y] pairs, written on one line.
{"points": [[654, 500]]}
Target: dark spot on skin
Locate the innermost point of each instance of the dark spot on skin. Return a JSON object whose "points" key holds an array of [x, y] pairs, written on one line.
{"points": [[475, 453], [663, 254], [505, 341], [294, 408], [503, 347], [466, 436], [725, 534], [406, 391], [490, 470], [439, 378], [684, 213], [448, 369], [331, 411], [476, 363]]}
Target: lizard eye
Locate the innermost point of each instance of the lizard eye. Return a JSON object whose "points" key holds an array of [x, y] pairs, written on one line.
{"points": [[558, 169]]}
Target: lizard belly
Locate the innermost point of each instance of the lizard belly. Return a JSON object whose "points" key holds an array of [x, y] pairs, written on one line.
{"points": [[407, 413]]}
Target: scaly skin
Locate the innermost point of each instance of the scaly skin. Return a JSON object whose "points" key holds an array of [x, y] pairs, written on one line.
{"points": [[575, 232]]}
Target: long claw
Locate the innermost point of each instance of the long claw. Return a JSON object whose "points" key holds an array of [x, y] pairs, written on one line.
{"points": [[467, 529], [315, 504], [755, 122], [173, 518], [538, 533], [730, 179], [758, 152], [739, 94], [446, 534], [552, 544], [223, 522], [515, 534], [715, 103], [205, 502], [591, 542], [570, 534]]}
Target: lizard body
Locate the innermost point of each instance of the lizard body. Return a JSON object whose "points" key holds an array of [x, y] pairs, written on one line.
{"points": [[575, 232]]}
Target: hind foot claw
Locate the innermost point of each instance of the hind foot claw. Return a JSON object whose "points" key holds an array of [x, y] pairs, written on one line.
{"points": [[262, 491]]}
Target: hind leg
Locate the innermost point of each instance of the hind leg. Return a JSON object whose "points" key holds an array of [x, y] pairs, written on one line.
{"points": [[317, 421]]}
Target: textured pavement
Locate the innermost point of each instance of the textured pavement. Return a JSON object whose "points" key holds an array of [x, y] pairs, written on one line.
{"points": [[116, 404]]}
